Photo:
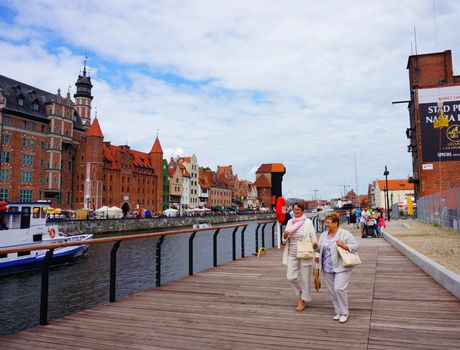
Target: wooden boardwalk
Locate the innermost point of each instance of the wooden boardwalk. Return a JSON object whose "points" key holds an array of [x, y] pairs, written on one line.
{"points": [[247, 304]]}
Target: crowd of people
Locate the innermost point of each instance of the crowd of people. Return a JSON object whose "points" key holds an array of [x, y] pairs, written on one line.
{"points": [[369, 221]]}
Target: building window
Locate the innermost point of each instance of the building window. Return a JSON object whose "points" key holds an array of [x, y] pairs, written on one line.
{"points": [[41, 179], [26, 176], [35, 106], [25, 195], [32, 125], [59, 198], [21, 102], [27, 160], [24, 142], [5, 157], [4, 174], [24, 124], [6, 139], [4, 194], [6, 121]]}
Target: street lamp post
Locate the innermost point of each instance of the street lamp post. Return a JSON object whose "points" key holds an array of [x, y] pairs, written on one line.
{"points": [[387, 204]]}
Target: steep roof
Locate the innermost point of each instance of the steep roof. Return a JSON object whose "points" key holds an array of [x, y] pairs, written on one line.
{"points": [[156, 148], [271, 168], [95, 129], [262, 181]]}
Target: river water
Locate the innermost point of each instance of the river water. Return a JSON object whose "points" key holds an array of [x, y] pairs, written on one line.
{"points": [[84, 283]]}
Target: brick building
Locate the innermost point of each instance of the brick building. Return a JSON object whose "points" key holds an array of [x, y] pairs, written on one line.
{"points": [[51, 150], [434, 90], [269, 178]]}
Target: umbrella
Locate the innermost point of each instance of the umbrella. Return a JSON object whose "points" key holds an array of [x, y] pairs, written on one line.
{"points": [[316, 276]]}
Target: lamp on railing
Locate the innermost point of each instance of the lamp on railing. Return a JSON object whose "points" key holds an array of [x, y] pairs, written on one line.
{"points": [[387, 204]]}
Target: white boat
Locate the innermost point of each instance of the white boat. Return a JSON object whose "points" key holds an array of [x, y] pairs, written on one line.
{"points": [[202, 225], [24, 223]]}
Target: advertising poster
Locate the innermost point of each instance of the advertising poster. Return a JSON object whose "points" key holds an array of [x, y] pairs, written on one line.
{"points": [[441, 143]]}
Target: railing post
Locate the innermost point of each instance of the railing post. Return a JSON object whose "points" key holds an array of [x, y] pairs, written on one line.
{"points": [[44, 289], [214, 241], [273, 235], [190, 253], [257, 238], [158, 261], [234, 243], [242, 241], [113, 271], [263, 235]]}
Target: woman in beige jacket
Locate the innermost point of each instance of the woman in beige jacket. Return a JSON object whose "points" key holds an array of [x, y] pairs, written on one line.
{"points": [[298, 270]]}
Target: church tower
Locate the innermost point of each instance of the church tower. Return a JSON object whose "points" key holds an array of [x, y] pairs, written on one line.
{"points": [[156, 161], [83, 98]]}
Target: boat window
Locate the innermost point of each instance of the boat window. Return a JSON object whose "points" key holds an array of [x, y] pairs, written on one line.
{"points": [[23, 253], [13, 208], [36, 212], [3, 256], [38, 238], [44, 210]]}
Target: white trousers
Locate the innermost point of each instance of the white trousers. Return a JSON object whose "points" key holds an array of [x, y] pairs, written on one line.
{"points": [[298, 277], [337, 287]]}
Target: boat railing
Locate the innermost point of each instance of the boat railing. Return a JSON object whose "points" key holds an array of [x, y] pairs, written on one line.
{"points": [[50, 247]]}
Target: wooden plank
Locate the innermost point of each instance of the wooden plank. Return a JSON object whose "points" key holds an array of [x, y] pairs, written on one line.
{"points": [[248, 304]]}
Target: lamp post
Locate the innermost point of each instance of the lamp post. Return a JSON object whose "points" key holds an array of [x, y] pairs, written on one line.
{"points": [[387, 204]]}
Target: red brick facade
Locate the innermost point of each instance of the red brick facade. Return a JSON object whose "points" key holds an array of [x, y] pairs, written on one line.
{"points": [[429, 71], [51, 150]]}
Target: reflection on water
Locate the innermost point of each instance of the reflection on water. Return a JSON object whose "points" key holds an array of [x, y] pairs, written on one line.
{"points": [[84, 283]]}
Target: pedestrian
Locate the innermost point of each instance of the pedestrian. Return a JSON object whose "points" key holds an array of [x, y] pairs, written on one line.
{"points": [[353, 219], [298, 270], [335, 274]]}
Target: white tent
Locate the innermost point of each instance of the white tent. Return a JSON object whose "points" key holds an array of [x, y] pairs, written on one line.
{"points": [[115, 213], [102, 212], [171, 212]]}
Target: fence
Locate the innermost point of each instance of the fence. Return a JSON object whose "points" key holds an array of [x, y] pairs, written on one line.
{"points": [[441, 208]]}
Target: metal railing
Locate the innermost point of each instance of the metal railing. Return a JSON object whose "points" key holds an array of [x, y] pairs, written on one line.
{"points": [[113, 256], [441, 208]]}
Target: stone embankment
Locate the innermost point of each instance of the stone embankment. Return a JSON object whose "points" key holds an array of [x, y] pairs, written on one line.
{"points": [[75, 227]]}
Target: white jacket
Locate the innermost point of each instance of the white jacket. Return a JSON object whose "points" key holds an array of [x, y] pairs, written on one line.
{"points": [[309, 231], [337, 262]]}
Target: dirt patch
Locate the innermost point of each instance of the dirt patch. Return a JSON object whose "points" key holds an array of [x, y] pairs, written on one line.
{"points": [[439, 244]]}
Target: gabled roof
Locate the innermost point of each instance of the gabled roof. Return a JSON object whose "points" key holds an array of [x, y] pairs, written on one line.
{"points": [[184, 170], [141, 159], [95, 129]]}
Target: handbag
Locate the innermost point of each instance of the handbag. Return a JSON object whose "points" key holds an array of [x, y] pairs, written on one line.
{"points": [[349, 259], [305, 249]]}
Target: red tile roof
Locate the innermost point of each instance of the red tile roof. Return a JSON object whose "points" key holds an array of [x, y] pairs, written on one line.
{"points": [[262, 181], [95, 129], [394, 185], [156, 148], [271, 168]]}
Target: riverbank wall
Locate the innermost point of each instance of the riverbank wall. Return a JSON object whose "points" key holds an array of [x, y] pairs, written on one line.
{"points": [[103, 226]]}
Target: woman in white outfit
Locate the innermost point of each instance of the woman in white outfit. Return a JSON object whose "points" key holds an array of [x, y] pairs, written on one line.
{"points": [[298, 270], [331, 264]]}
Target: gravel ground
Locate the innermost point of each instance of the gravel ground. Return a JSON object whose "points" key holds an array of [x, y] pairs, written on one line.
{"points": [[439, 244]]}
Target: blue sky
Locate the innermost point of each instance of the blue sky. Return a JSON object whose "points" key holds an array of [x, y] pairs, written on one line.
{"points": [[304, 83]]}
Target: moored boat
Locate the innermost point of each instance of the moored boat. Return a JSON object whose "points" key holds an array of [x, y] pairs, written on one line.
{"points": [[23, 224]]}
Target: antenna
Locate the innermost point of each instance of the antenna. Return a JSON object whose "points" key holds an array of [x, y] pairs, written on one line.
{"points": [[158, 130], [415, 38], [411, 49]]}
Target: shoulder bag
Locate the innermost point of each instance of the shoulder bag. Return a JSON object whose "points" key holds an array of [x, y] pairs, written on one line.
{"points": [[305, 248], [349, 259]]}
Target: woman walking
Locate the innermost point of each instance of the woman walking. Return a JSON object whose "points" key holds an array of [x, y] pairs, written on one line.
{"points": [[335, 274], [298, 270]]}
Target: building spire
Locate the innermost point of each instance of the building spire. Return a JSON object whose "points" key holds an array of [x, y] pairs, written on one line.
{"points": [[84, 66]]}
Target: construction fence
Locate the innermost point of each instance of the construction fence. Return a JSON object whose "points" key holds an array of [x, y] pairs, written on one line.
{"points": [[441, 208]]}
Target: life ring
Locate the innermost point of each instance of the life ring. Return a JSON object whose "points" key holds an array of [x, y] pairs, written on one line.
{"points": [[280, 209], [51, 232]]}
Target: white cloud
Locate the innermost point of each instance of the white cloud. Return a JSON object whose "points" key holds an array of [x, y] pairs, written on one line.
{"points": [[304, 83]]}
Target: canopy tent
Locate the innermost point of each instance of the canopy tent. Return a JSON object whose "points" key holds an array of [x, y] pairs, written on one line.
{"points": [[219, 208], [109, 213], [171, 212]]}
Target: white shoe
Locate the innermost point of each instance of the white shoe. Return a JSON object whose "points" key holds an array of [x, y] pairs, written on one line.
{"points": [[336, 317], [343, 318]]}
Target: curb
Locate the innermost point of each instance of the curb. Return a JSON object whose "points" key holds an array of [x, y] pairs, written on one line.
{"points": [[448, 279]]}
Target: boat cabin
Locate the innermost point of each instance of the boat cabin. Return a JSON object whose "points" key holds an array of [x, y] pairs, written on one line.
{"points": [[23, 215]]}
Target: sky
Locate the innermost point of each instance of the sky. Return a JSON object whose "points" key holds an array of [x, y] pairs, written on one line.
{"points": [[305, 83]]}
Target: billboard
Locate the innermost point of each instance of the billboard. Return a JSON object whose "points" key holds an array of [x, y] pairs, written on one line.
{"points": [[440, 143]]}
